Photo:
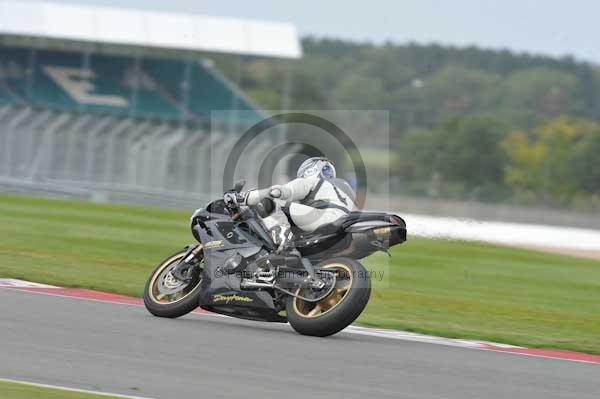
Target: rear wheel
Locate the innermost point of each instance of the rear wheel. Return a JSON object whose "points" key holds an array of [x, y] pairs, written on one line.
{"points": [[342, 306], [165, 295]]}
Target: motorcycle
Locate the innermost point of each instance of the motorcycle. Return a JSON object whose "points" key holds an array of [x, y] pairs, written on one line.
{"points": [[238, 268]]}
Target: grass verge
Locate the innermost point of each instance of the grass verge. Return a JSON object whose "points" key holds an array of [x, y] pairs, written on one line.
{"points": [[452, 289], [13, 390]]}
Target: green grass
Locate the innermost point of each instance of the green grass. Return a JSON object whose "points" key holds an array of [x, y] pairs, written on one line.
{"points": [[11, 390], [453, 289]]}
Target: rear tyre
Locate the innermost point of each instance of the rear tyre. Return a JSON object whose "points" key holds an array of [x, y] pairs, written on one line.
{"points": [[165, 296], [341, 307]]}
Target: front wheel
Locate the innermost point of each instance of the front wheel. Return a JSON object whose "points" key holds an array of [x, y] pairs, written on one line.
{"points": [[165, 295], [341, 307]]}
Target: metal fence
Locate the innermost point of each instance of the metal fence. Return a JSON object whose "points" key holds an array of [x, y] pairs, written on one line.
{"points": [[110, 158]]}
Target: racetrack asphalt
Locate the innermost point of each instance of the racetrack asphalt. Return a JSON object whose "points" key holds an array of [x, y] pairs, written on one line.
{"points": [[122, 349]]}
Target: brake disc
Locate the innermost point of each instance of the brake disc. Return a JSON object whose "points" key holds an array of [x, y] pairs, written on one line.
{"points": [[168, 284]]}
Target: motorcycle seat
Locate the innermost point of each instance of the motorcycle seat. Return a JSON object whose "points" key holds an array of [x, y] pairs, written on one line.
{"points": [[340, 225]]}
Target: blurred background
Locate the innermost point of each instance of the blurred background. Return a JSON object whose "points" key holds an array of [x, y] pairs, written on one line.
{"points": [[479, 121], [493, 109]]}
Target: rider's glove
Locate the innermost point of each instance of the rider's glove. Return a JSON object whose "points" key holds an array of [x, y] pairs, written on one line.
{"points": [[232, 198], [242, 198]]}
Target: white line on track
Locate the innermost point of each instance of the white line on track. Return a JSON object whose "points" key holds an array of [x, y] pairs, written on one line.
{"points": [[14, 283], [98, 393]]}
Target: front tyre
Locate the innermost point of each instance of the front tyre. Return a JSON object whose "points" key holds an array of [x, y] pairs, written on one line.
{"points": [[165, 295], [341, 307]]}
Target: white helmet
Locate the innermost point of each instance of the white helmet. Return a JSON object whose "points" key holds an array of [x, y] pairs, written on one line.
{"points": [[317, 165]]}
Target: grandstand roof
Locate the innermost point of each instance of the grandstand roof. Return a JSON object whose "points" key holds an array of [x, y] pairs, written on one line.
{"points": [[143, 28]]}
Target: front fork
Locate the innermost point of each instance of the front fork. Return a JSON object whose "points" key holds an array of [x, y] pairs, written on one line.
{"points": [[183, 270]]}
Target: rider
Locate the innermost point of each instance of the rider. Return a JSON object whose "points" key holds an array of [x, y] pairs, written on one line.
{"points": [[314, 199]]}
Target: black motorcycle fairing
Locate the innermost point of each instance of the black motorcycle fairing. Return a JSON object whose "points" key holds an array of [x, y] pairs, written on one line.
{"points": [[357, 235], [216, 211], [221, 291], [256, 229], [204, 215], [222, 294], [223, 239]]}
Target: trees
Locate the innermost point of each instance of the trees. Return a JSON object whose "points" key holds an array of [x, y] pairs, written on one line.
{"points": [[450, 110], [473, 154], [461, 156], [358, 92], [555, 162], [586, 163], [545, 91], [424, 84], [456, 90]]}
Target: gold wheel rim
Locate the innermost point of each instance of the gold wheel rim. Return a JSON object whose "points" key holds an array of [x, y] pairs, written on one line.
{"points": [[343, 284], [159, 297]]}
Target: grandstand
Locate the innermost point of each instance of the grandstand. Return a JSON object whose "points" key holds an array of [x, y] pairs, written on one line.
{"points": [[117, 103]]}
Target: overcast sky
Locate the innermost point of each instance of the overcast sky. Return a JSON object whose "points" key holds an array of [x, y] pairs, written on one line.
{"points": [[552, 27]]}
